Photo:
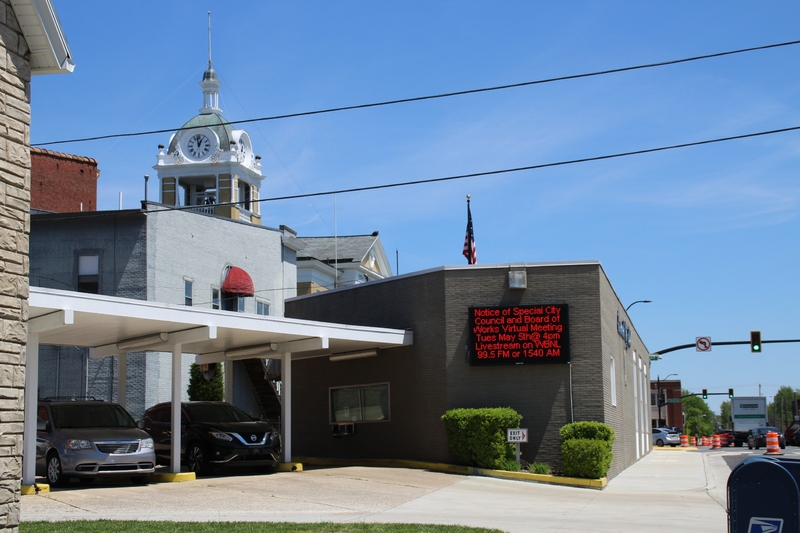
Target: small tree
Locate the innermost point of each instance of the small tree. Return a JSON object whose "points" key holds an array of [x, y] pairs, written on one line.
{"points": [[699, 417], [201, 389]]}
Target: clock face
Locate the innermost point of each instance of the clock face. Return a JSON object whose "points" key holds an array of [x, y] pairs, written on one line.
{"points": [[199, 145]]}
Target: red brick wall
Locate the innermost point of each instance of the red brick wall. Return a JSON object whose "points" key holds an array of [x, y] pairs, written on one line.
{"points": [[62, 182]]}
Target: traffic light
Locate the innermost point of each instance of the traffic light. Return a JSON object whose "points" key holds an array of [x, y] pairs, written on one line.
{"points": [[755, 341], [705, 394], [662, 398], [730, 393]]}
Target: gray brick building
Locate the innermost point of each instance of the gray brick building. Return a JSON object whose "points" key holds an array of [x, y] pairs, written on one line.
{"points": [[179, 257], [606, 379]]}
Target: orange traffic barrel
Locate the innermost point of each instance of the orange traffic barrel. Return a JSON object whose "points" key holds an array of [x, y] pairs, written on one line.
{"points": [[723, 439], [715, 440], [684, 441], [693, 441], [773, 445]]}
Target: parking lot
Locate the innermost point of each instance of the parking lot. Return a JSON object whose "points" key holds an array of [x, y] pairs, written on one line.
{"points": [[674, 487]]}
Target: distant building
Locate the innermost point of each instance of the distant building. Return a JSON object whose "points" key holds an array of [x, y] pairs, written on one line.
{"points": [[63, 183], [328, 262], [671, 412]]}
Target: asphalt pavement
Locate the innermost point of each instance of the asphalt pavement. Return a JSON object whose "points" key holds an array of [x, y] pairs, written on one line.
{"points": [[674, 488]]}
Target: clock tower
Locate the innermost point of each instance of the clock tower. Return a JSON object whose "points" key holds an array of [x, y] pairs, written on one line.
{"points": [[208, 165]]}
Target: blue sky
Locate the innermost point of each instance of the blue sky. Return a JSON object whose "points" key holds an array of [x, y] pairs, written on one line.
{"points": [[708, 233]]}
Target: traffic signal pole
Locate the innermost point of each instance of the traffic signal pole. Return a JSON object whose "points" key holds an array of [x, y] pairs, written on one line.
{"points": [[715, 343]]}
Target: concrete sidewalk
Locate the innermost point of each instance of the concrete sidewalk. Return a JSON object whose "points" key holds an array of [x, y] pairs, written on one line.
{"points": [[679, 489]]}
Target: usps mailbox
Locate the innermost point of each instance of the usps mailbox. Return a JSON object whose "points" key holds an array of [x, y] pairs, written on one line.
{"points": [[763, 496]]}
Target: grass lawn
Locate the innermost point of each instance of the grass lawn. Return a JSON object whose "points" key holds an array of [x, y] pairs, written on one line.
{"points": [[133, 526]]}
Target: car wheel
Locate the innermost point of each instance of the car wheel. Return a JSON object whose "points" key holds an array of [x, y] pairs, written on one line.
{"points": [[55, 476], [140, 480], [659, 442], [197, 460]]}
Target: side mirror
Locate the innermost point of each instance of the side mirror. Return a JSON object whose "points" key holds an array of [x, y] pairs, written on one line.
{"points": [[42, 425], [140, 424]]}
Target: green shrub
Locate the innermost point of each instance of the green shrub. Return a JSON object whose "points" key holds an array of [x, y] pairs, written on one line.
{"points": [[200, 389], [511, 465], [477, 437], [586, 449], [586, 458], [540, 468], [588, 430]]}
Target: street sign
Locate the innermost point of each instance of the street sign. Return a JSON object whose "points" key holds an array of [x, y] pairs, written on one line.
{"points": [[702, 344], [517, 435], [673, 400], [655, 357]]}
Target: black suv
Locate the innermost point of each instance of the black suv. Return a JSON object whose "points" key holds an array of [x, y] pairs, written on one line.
{"points": [[213, 434]]}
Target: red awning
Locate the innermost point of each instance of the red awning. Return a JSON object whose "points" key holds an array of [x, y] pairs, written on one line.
{"points": [[238, 282]]}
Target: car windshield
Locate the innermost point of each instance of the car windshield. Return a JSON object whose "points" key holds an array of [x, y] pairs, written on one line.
{"points": [[99, 415], [216, 412]]}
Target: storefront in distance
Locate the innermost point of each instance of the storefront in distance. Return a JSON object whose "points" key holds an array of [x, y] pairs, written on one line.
{"points": [[551, 340]]}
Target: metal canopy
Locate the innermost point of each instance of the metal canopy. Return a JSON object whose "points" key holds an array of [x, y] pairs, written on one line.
{"points": [[108, 326], [100, 322]]}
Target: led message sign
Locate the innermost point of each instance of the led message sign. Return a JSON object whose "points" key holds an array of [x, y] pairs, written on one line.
{"points": [[519, 335]]}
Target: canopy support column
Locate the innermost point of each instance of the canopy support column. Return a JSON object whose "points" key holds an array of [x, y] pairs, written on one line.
{"points": [[31, 402], [175, 435], [286, 406]]}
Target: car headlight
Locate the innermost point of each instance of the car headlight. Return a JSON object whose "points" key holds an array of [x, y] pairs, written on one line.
{"points": [[221, 436], [78, 444], [147, 443]]}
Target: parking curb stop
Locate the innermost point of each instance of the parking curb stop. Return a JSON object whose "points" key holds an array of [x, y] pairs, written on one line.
{"points": [[36, 488], [173, 477], [289, 467]]}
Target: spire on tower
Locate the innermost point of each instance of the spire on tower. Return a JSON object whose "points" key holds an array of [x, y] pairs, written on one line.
{"points": [[210, 83]]}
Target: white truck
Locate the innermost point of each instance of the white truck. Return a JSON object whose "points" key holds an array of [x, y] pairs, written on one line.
{"points": [[747, 412]]}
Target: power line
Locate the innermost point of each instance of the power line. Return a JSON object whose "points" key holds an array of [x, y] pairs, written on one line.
{"points": [[501, 171], [617, 155], [441, 95]]}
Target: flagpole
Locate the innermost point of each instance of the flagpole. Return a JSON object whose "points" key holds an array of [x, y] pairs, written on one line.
{"points": [[469, 239]]}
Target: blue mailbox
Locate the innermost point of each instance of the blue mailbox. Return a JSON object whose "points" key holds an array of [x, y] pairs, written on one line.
{"points": [[763, 496]]}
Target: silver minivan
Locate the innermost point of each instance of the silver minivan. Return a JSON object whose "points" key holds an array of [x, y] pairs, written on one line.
{"points": [[666, 437], [90, 438]]}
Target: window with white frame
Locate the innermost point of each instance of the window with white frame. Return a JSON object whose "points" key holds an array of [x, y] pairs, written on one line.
{"points": [[187, 292], [214, 298], [262, 307]]}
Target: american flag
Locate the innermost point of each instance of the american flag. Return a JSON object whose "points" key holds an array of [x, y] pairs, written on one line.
{"points": [[470, 252]]}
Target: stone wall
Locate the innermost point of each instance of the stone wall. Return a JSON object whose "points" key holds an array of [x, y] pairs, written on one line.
{"points": [[14, 229]]}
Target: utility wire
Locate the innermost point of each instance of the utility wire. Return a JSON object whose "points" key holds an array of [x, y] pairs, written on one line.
{"points": [[480, 174], [442, 95]]}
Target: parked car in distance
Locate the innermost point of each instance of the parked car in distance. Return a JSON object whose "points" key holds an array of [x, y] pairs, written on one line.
{"points": [[758, 437], [728, 434], [664, 436], [792, 434], [214, 434], [88, 439]]}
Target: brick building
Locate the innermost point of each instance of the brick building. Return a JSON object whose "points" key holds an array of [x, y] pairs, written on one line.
{"points": [[605, 378], [671, 412], [63, 183]]}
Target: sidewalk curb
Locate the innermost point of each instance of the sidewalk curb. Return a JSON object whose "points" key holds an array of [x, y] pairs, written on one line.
{"points": [[458, 469]]}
